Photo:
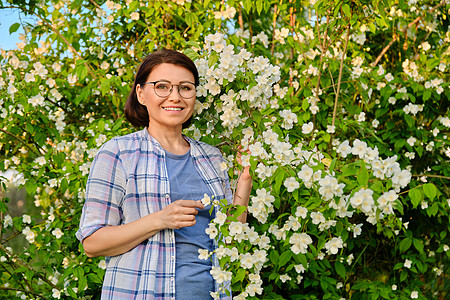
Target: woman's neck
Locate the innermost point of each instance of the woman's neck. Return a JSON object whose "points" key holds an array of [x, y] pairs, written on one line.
{"points": [[171, 141]]}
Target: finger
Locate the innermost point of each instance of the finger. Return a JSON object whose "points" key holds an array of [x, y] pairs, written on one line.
{"points": [[192, 203]]}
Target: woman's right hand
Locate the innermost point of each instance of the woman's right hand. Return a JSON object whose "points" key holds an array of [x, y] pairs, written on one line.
{"points": [[179, 214]]}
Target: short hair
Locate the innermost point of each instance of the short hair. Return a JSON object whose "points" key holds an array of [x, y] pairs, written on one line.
{"points": [[137, 113]]}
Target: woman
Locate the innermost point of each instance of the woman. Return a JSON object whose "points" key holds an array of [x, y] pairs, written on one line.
{"points": [[143, 210]]}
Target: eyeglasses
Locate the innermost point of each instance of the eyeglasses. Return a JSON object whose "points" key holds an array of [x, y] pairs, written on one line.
{"points": [[164, 88]]}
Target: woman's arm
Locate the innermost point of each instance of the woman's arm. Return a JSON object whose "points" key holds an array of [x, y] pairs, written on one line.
{"points": [[242, 193], [115, 240]]}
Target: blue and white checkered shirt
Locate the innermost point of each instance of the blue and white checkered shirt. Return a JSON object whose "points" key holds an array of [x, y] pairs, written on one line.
{"points": [[127, 181]]}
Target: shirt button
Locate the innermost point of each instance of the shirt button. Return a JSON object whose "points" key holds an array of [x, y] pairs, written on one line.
{"points": [[167, 196], [172, 278], [172, 257]]}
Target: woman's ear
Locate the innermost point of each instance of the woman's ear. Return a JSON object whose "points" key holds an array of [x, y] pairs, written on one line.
{"points": [[139, 95]]}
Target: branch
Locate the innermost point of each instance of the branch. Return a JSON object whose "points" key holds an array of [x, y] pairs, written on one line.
{"points": [[274, 25], [21, 140], [394, 37], [431, 175], [241, 19], [322, 51], [24, 264], [340, 75]]}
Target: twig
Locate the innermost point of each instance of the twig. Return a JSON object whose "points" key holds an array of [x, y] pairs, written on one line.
{"points": [[394, 37], [24, 264], [274, 25], [241, 19], [431, 175], [322, 52], [340, 75], [21, 140]]}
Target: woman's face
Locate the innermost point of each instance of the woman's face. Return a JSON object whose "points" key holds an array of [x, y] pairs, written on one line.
{"points": [[171, 111]]}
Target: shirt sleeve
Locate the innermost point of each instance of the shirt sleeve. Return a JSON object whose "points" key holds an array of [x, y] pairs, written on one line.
{"points": [[105, 190]]}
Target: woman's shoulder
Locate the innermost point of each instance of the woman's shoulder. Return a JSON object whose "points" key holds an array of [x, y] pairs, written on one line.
{"points": [[124, 142]]}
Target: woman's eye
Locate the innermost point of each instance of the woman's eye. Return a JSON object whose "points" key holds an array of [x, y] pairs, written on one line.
{"points": [[185, 87], [163, 86]]}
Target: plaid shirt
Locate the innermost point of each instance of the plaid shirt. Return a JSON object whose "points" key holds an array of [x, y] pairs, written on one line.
{"points": [[128, 180]]}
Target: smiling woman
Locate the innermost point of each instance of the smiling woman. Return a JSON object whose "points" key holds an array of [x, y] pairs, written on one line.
{"points": [[143, 209]]}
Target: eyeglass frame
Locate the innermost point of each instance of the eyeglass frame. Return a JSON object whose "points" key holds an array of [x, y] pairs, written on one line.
{"points": [[171, 89]]}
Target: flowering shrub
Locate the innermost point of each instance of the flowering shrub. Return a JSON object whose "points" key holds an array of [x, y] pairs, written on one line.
{"points": [[340, 110]]}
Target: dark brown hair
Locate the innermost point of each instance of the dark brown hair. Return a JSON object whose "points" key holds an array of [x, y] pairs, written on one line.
{"points": [[135, 112]]}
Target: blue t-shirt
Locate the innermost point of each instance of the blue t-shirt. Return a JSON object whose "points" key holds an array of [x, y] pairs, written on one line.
{"points": [[192, 277]]}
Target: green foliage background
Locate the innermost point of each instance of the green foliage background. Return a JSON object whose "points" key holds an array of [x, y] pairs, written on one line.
{"points": [[317, 45]]}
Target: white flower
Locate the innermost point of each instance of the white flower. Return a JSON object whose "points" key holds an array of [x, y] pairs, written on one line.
{"points": [[36, 100], [331, 128], [220, 218], [211, 231], [401, 178], [7, 221], [26, 219], [414, 295], [291, 184], [305, 173], [426, 46], [285, 278], [134, 16], [203, 254], [56, 294], [235, 228], [301, 212], [307, 128], [389, 77], [392, 100], [375, 123], [29, 234], [411, 140], [359, 148], [407, 263], [317, 218], [334, 245], [72, 79], [344, 149], [102, 264], [58, 233], [206, 200], [300, 242], [220, 275]]}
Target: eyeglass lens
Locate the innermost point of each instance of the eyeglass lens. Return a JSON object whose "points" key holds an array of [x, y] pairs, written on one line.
{"points": [[164, 88]]}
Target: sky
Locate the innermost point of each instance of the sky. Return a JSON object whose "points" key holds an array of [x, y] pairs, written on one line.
{"points": [[7, 18]]}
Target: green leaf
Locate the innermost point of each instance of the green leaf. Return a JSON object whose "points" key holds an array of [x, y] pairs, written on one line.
{"points": [[418, 245], [409, 120], [284, 258], [363, 176], [405, 244], [14, 27], [340, 269], [239, 211], [239, 276], [403, 275], [347, 10], [30, 187], [274, 257], [426, 95], [430, 190], [259, 6], [416, 197], [433, 210]]}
